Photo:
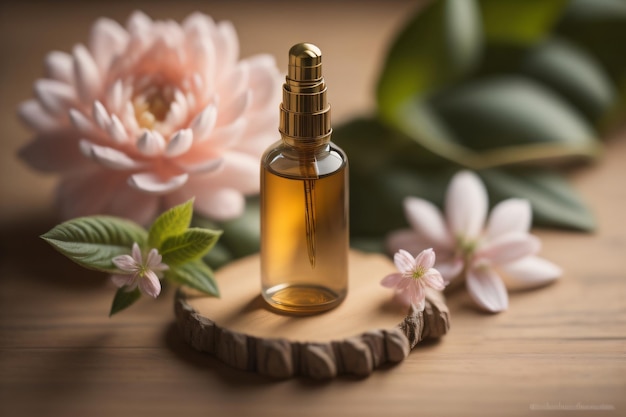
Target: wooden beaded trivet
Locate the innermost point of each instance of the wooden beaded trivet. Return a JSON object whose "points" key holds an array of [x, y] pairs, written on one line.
{"points": [[364, 332]]}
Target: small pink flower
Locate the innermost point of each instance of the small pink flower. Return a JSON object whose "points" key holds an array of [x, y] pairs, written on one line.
{"points": [[469, 249], [415, 275], [148, 115], [137, 273]]}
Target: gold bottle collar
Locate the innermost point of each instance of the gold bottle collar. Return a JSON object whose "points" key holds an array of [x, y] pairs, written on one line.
{"points": [[305, 112]]}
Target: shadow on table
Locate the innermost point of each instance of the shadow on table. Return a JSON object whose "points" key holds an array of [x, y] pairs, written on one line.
{"points": [[25, 255]]}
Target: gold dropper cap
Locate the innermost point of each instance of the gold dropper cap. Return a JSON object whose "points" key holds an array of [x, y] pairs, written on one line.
{"points": [[305, 112]]}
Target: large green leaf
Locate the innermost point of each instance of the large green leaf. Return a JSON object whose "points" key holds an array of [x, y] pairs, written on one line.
{"points": [[93, 242], [188, 246], [196, 275], [519, 21], [513, 119], [171, 223], [124, 299], [440, 43], [574, 74], [554, 202], [598, 26]]}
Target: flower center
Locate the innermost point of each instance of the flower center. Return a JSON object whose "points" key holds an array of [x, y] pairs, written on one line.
{"points": [[419, 272], [152, 105]]}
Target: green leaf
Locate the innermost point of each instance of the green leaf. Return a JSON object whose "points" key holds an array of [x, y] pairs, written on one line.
{"points": [[188, 246], [440, 44], [554, 202], [171, 223], [124, 299], [519, 21], [597, 26], [93, 242], [196, 275], [513, 119], [574, 74]]}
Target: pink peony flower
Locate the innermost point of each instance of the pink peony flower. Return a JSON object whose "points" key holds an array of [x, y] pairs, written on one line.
{"points": [[469, 250], [415, 275], [137, 273], [147, 116]]}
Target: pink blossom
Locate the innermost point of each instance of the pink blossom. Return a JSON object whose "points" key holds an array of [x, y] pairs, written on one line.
{"points": [[415, 275], [137, 273], [146, 116], [468, 249]]}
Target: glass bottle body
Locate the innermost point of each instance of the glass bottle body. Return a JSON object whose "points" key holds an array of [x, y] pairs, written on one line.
{"points": [[304, 228]]}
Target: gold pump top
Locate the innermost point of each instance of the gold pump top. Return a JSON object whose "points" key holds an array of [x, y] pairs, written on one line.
{"points": [[305, 112]]}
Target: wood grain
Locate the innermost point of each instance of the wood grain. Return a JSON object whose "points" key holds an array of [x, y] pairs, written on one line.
{"points": [[366, 331]]}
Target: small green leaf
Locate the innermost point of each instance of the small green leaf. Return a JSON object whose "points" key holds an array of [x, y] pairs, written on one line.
{"points": [[188, 246], [555, 203], [171, 223], [196, 275], [93, 242], [124, 299], [519, 21], [440, 44]]}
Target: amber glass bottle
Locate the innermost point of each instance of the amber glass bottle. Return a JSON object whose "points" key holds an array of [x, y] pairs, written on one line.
{"points": [[304, 198]]}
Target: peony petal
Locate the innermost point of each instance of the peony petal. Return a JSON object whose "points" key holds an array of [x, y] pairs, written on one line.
{"points": [[235, 83], [126, 263], [509, 216], [54, 152], [151, 143], [88, 191], [220, 204], [123, 280], [529, 272], [227, 136], [226, 47], [433, 279], [86, 73], [107, 40], [508, 248], [101, 115], [132, 204], [235, 109], [55, 96], [264, 82], [466, 205], [404, 262], [116, 130], [108, 157], [203, 167], [203, 124], [34, 116], [426, 220], [179, 143], [425, 259], [59, 66], [487, 290], [138, 22], [153, 184], [82, 123], [149, 284], [391, 280], [115, 97]]}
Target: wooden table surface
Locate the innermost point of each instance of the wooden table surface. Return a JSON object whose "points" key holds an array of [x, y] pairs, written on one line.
{"points": [[60, 355]]}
